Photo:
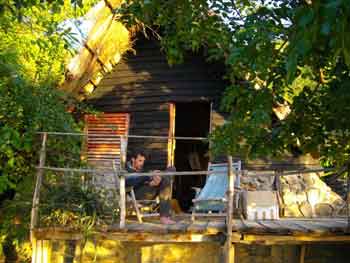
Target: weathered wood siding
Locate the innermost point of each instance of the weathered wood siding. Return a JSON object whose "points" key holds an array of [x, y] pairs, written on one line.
{"points": [[144, 84]]}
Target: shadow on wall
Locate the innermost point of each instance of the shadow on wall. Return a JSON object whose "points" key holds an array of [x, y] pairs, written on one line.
{"points": [[106, 251], [291, 254]]}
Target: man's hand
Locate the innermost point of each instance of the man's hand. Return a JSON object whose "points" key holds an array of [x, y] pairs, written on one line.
{"points": [[156, 179]]}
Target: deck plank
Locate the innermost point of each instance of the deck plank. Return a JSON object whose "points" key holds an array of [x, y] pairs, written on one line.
{"points": [[274, 227], [198, 226], [216, 226], [293, 228], [329, 226], [310, 226], [179, 227], [148, 227], [251, 227]]}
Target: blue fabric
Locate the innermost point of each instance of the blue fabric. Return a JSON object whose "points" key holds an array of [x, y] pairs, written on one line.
{"points": [[215, 187]]}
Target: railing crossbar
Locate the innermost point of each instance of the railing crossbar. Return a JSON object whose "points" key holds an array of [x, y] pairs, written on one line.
{"points": [[126, 174], [126, 136]]}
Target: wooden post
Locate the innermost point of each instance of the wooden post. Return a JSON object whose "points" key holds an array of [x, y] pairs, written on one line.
{"points": [[348, 199], [229, 248], [122, 192], [137, 210], [36, 195], [34, 250], [122, 201], [123, 146], [211, 128], [171, 135], [302, 254], [278, 174]]}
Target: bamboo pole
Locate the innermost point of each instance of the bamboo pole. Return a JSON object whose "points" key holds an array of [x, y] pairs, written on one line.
{"points": [[229, 249], [36, 195], [122, 201], [122, 191], [85, 170], [129, 136]]}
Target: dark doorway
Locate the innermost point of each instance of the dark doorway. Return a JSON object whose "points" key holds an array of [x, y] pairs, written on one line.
{"points": [[191, 120]]}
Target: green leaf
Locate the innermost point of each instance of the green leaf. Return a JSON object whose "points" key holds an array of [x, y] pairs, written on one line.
{"points": [[325, 28], [346, 53], [306, 18]]}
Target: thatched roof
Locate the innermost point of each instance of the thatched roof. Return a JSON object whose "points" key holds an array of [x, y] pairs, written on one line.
{"points": [[107, 41]]}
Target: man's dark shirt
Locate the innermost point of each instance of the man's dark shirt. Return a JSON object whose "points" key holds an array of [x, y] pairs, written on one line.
{"points": [[137, 180]]}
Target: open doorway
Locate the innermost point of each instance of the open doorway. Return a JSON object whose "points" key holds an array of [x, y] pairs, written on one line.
{"points": [[191, 120]]}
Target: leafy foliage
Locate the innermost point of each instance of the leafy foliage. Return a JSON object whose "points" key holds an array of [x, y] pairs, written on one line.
{"points": [[34, 47], [33, 51], [73, 200], [280, 55]]}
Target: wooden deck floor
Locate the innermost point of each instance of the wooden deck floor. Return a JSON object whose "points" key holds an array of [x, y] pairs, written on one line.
{"points": [[282, 231]]}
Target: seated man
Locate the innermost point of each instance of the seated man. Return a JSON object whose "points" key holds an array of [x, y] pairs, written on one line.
{"points": [[147, 188]]}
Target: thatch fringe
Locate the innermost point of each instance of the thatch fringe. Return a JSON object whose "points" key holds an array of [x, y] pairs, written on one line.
{"points": [[107, 41]]}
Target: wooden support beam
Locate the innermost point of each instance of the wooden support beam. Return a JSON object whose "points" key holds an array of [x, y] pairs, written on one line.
{"points": [[302, 253], [348, 199], [171, 135], [57, 234], [123, 147], [34, 248], [269, 240], [164, 238], [278, 174], [98, 59], [229, 250], [36, 195]]}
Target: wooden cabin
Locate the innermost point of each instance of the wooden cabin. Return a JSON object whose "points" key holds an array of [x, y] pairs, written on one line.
{"points": [[162, 100]]}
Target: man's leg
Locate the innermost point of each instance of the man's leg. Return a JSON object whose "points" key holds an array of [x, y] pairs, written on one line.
{"points": [[146, 192], [165, 196]]}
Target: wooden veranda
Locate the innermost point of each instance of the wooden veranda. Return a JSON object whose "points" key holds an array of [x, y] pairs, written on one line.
{"points": [[226, 230]]}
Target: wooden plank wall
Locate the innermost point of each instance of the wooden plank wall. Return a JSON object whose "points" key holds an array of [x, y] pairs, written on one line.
{"points": [[144, 84]]}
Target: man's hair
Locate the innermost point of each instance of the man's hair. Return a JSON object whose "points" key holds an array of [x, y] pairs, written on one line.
{"points": [[134, 153]]}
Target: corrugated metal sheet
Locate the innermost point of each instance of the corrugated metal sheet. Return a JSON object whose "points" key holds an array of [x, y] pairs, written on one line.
{"points": [[103, 140]]}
